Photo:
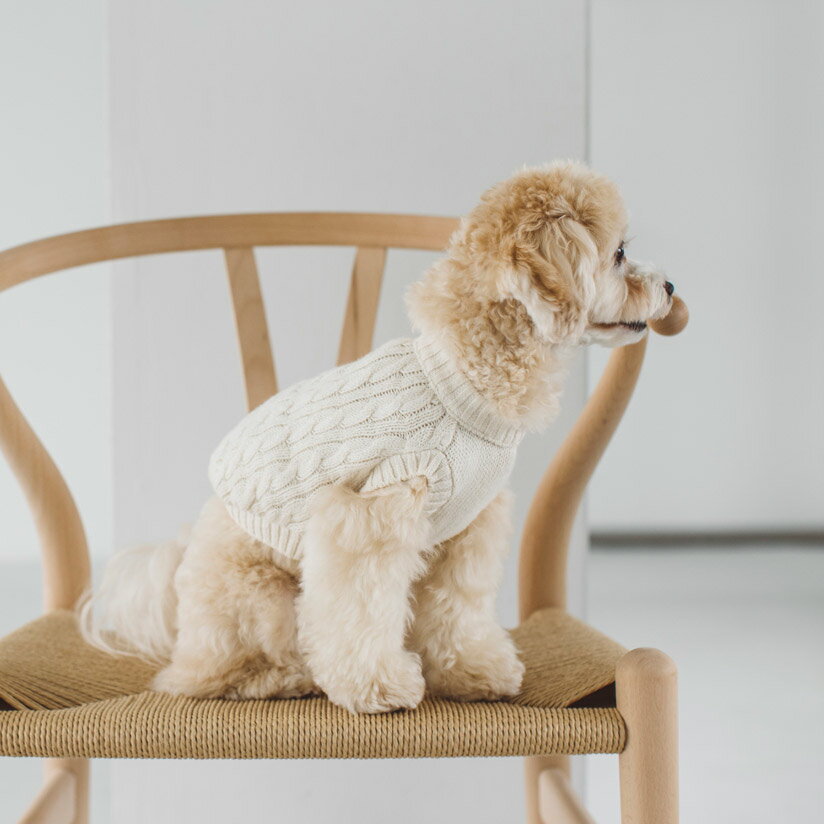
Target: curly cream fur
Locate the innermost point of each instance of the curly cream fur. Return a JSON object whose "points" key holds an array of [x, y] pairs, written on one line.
{"points": [[373, 613], [236, 617], [362, 554], [526, 279], [465, 652]]}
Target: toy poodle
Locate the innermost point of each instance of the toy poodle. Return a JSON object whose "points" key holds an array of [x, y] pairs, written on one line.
{"points": [[356, 539]]}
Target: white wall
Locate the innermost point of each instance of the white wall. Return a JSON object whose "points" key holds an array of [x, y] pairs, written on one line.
{"points": [[266, 106], [708, 115], [55, 342], [711, 118], [680, 117]]}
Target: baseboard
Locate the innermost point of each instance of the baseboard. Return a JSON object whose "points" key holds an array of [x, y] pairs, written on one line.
{"points": [[710, 538]]}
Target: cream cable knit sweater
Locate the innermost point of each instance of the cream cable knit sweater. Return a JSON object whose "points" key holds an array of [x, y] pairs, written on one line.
{"points": [[400, 412]]}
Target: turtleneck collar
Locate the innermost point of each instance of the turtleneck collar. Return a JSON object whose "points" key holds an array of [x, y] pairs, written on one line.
{"points": [[474, 412]]}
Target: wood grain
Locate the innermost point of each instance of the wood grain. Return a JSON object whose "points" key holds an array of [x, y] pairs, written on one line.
{"points": [[362, 303], [183, 234], [66, 567], [646, 684], [545, 540], [259, 377]]}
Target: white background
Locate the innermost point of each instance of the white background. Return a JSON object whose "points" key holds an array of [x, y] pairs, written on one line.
{"points": [[708, 115], [55, 334], [711, 118]]}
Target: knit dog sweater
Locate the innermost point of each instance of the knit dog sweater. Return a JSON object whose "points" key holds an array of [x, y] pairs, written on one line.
{"points": [[402, 411]]}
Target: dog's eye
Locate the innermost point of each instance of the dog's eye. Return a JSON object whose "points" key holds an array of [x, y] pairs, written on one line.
{"points": [[619, 255]]}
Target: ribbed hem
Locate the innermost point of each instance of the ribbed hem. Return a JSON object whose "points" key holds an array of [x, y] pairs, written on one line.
{"points": [[472, 411], [283, 540], [429, 463], [286, 540]]}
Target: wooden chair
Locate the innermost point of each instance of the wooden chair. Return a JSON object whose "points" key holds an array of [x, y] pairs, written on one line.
{"points": [[582, 693]]}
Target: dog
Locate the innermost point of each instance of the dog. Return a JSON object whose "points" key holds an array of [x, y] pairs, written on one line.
{"points": [[356, 542]]}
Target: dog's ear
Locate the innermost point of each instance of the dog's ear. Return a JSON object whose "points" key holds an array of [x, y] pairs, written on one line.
{"points": [[552, 275]]}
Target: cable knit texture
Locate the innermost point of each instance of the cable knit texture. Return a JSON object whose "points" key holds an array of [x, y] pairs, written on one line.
{"points": [[400, 412]]}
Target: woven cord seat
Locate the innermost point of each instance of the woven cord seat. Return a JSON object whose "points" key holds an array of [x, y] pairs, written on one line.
{"points": [[67, 699]]}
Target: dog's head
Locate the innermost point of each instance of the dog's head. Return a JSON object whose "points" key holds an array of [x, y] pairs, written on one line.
{"points": [[545, 245]]}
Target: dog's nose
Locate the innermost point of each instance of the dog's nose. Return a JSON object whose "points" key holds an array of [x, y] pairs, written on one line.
{"points": [[669, 287]]}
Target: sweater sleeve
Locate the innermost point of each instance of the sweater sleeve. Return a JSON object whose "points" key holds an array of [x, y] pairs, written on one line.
{"points": [[430, 464]]}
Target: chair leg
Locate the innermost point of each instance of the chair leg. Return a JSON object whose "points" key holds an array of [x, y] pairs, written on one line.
{"points": [[646, 687], [81, 767], [64, 796], [533, 767], [558, 802]]}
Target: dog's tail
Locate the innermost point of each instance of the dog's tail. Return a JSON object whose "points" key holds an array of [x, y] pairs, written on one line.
{"points": [[134, 610]]}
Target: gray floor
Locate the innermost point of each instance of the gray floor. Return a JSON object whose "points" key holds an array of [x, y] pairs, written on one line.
{"points": [[744, 625], [746, 629]]}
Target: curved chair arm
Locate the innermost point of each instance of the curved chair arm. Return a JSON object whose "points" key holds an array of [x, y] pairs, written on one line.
{"points": [[545, 542], [66, 567]]}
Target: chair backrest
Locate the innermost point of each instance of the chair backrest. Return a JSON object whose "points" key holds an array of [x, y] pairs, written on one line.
{"points": [[63, 541], [62, 537], [237, 236]]}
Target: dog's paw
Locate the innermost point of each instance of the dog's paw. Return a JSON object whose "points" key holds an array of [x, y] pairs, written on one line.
{"points": [[393, 683], [484, 672], [178, 680], [275, 682]]}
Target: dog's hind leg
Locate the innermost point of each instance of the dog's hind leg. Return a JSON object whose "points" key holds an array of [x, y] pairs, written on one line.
{"points": [[466, 653], [363, 551], [267, 621], [237, 634]]}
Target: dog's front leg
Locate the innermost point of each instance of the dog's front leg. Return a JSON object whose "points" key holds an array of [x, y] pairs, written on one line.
{"points": [[363, 551], [466, 653]]}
